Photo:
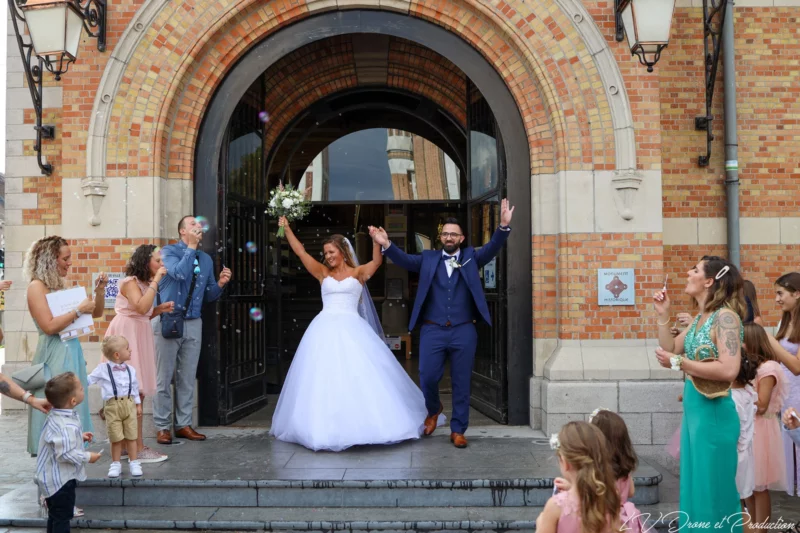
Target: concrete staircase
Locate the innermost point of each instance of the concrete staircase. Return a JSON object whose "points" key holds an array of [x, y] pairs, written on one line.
{"points": [[255, 483]]}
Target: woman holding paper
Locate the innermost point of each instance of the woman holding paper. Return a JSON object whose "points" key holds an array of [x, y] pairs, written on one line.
{"points": [[47, 263]]}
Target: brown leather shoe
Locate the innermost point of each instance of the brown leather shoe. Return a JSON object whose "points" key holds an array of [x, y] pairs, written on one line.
{"points": [[189, 434], [431, 421], [164, 437], [458, 440]]}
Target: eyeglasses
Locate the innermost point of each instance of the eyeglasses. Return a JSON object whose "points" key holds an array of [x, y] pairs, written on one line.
{"points": [[447, 235]]}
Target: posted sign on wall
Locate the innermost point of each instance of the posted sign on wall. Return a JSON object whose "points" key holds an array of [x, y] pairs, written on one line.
{"points": [[615, 286]]}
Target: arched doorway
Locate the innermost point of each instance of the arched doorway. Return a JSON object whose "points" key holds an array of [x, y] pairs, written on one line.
{"points": [[235, 364]]}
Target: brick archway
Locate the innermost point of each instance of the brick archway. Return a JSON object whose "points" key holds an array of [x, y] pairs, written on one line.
{"points": [[556, 64]]}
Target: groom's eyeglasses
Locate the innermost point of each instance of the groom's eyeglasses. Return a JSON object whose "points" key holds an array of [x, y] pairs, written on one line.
{"points": [[453, 235]]}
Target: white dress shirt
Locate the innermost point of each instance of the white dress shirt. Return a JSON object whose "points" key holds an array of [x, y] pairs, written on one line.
{"points": [[447, 261], [120, 372]]}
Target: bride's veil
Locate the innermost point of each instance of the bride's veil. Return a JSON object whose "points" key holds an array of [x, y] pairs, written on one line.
{"points": [[366, 308]]}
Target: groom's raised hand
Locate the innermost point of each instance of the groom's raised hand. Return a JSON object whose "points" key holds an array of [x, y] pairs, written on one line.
{"points": [[379, 235], [506, 212]]}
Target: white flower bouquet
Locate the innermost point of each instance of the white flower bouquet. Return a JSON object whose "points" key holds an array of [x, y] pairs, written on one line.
{"points": [[286, 201]]}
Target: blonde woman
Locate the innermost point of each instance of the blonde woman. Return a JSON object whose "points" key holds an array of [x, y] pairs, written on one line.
{"points": [[47, 263]]}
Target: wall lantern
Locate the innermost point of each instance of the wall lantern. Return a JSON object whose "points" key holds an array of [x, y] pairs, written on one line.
{"points": [[647, 25], [55, 28]]}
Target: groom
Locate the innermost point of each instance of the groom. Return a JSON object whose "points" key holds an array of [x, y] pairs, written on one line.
{"points": [[449, 300]]}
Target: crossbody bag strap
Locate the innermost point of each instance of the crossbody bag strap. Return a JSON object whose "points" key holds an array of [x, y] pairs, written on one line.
{"points": [[191, 287]]}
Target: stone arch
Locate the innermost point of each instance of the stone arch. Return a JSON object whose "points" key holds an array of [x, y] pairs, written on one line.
{"points": [[502, 34]]}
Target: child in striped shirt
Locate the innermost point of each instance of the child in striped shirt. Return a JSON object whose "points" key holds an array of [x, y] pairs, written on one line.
{"points": [[61, 459]]}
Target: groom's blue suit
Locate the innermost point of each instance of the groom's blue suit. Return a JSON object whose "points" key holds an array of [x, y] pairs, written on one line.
{"points": [[448, 307]]}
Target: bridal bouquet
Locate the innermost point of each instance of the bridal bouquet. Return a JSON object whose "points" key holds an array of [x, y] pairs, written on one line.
{"points": [[286, 201]]}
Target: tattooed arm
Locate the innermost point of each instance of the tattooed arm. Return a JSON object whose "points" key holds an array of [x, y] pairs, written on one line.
{"points": [[12, 390], [725, 334]]}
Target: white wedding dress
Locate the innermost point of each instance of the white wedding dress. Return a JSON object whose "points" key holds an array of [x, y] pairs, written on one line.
{"points": [[345, 387]]}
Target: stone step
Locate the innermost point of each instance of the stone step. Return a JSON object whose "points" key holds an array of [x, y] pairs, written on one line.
{"points": [[469, 492], [384, 520]]}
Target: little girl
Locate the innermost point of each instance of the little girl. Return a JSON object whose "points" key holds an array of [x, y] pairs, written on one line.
{"points": [[623, 463], [592, 503], [744, 397], [771, 386]]}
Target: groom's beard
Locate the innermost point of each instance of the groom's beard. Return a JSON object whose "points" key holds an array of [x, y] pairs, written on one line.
{"points": [[450, 248]]}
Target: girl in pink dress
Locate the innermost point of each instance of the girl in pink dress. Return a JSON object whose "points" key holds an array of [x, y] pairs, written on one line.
{"points": [[134, 309], [623, 463], [585, 463], [771, 387]]}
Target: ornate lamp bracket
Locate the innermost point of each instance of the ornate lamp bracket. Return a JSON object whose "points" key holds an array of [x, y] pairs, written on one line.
{"points": [[33, 74], [95, 190], [625, 184], [713, 17], [93, 13]]}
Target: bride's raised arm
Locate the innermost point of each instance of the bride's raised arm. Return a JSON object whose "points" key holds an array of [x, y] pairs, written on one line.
{"points": [[367, 270], [314, 267]]}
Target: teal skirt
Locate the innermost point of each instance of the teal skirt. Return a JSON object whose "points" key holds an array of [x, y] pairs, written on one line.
{"points": [[709, 437], [60, 357]]}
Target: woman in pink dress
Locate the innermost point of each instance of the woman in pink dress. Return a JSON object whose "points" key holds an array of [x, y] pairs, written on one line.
{"points": [[134, 308], [785, 344]]}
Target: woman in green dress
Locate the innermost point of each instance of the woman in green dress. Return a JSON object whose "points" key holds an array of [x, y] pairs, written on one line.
{"points": [[47, 263], [710, 431]]}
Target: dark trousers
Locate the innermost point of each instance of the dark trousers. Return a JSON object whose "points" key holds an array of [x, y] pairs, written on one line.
{"points": [[435, 345], [60, 508]]}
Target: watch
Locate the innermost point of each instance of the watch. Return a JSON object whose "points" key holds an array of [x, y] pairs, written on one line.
{"points": [[77, 313], [504, 228], [26, 396]]}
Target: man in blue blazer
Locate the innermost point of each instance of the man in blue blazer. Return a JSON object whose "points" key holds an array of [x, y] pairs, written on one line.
{"points": [[449, 300]]}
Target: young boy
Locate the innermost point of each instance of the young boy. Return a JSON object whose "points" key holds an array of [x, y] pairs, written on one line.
{"points": [[61, 458], [121, 402]]}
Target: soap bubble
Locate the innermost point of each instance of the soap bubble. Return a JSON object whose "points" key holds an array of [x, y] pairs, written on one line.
{"points": [[251, 247], [203, 221], [256, 314], [263, 116]]}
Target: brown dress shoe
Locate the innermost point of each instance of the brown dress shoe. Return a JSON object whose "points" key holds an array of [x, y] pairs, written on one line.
{"points": [[164, 437], [189, 434], [458, 440], [431, 421]]}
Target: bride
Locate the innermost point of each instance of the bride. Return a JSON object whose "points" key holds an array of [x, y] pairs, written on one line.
{"points": [[344, 387]]}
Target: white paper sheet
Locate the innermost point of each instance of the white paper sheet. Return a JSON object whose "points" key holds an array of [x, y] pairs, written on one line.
{"points": [[63, 302]]}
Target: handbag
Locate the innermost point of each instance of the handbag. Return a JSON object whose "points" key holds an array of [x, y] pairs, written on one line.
{"points": [[172, 323], [708, 387], [32, 378]]}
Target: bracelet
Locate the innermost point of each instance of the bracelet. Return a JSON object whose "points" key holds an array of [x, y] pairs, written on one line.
{"points": [[664, 323], [26, 396], [676, 361], [151, 287]]}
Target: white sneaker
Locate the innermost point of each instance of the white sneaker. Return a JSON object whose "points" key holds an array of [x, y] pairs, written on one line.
{"points": [[115, 469], [136, 468]]}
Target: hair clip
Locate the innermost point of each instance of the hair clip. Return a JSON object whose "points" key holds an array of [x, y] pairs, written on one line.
{"points": [[724, 270], [595, 412], [555, 444]]}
